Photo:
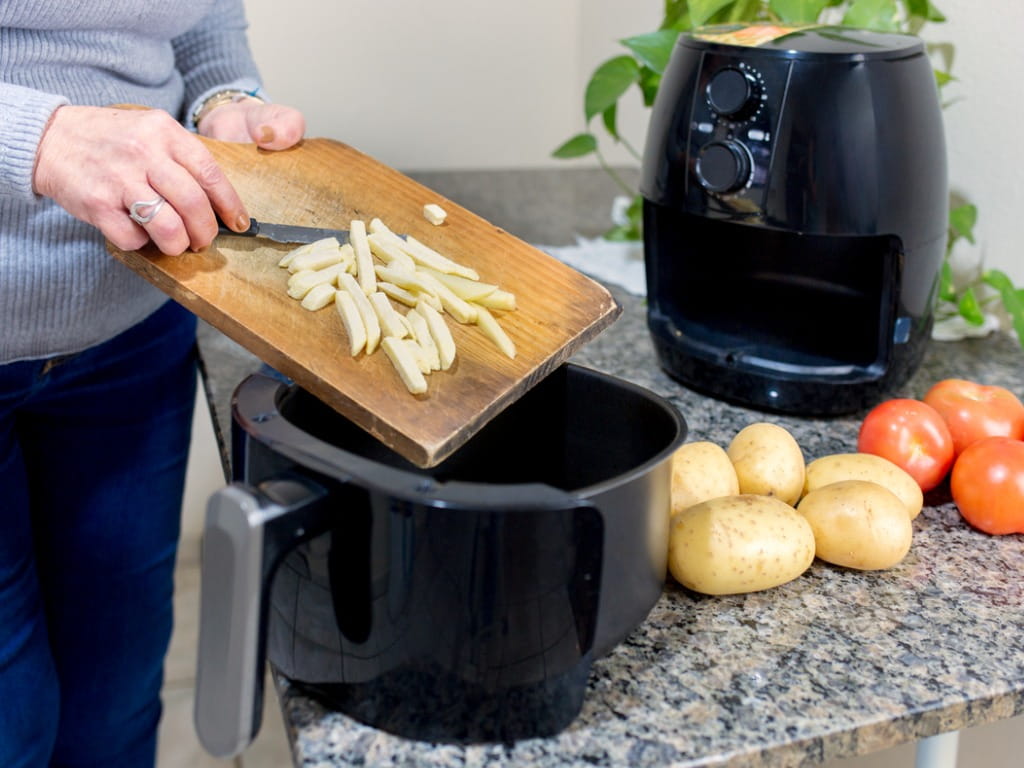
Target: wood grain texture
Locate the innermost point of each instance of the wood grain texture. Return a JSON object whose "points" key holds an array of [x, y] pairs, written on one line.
{"points": [[237, 287]]}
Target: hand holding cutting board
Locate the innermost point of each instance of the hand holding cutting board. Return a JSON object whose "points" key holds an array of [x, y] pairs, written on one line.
{"points": [[138, 175], [236, 286]]}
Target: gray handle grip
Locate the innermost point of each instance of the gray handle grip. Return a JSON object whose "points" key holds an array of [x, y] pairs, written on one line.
{"points": [[247, 532]]}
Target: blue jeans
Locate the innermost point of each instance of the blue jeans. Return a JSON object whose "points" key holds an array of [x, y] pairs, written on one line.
{"points": [[93, 449]]}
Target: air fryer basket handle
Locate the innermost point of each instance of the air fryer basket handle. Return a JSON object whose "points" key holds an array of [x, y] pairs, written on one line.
{"points": [[247, 533]]}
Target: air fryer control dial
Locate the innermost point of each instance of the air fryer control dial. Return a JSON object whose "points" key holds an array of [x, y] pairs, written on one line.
{"points": [[733, 93], [724, 166]]}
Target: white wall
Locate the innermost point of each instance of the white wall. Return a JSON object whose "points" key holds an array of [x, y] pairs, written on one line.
{"points": [[471, 84], [984, 124]]}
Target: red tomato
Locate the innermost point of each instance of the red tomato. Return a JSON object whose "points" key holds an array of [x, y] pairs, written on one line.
{"points": [[911, 435], [973, 411], [988, 485]]}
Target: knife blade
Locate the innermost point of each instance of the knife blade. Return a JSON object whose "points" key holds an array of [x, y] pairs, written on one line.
{"points": [[285, 233]]}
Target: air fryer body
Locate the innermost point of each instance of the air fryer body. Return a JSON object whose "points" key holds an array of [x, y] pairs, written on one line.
{"points": [[461, 602], [795, 215]]}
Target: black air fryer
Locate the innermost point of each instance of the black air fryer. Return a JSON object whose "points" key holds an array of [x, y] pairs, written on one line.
{"points": [[462, 603], [795, 214]]}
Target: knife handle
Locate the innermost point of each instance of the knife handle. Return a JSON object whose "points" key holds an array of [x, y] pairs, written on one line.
{"points": [[252, 231]]}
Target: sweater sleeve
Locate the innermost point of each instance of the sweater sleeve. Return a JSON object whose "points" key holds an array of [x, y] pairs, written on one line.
{"points": [[215, 55], [24, 114]]}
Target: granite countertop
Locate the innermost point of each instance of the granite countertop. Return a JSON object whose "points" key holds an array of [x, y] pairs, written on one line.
{"points": [[834, 664]]}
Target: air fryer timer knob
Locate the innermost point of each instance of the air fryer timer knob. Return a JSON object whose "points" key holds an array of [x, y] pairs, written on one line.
{"points": [[723, 166], [733, 93]]}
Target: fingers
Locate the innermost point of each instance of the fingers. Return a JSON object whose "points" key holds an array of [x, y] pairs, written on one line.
{"points": [[270, 126], [274, 126], [97, 161], [156, 219], [197, 187]]}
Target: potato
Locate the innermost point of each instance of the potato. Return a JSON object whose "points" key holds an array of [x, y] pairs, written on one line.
{"points": [[865, 466], [736, 544], [486, 322], [701, 471], [403, 359], [435, 214], [412, 273], [858, 524], [768, 462]]}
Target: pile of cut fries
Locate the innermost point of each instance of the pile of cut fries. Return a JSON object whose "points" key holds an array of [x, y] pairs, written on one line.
{"points": [[366, 277]]}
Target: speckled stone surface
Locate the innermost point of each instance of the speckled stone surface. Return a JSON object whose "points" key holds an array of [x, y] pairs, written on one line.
{"points": [[834, 664]]}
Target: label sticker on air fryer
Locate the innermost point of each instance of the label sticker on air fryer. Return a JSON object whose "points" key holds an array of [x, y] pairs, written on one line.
{"points": [[751, 36]]}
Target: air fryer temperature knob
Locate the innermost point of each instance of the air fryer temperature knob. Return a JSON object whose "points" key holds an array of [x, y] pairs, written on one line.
{"points": [[724, 166], [733, 93]]}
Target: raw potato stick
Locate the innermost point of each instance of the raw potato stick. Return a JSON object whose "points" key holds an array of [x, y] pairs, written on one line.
{"points": [[420, 253], [398, 293], [485, 322], [428, 257], [419, 354], [401, 357], [366, 311], [325, 243], [390, 252], [498, 299], [411, 281], [421, 332], [390, 321], [315, 260], [364, 258], [319, 296], [303, 282], [287, 259], [462, 311], [441, 334], [352, 321], [470, 290]]}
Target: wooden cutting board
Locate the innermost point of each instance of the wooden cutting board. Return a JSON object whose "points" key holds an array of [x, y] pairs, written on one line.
{"points": [[236, 286]]}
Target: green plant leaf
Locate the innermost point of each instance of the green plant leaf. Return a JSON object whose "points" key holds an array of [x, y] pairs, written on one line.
{"points": [[1013, 299], [632, 229], [649, 82], [579, 145], [608, 83], [872, 14], [702, 10], [608, 119], [798, 11], [962, 220], [998, 280], [741, 10], [923, 9], [947, 292], [653, 49], [969, 308], [623, 234], [677, 15], [943, 78]]}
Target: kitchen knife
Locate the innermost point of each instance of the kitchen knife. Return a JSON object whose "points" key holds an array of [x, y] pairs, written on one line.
{"points": [[285, 233]]}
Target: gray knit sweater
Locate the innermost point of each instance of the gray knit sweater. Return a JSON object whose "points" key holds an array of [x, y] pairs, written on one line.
{"points": [[60, 290]]}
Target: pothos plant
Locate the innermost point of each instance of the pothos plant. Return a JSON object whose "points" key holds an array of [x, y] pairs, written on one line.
{"points": [[648, 54]]}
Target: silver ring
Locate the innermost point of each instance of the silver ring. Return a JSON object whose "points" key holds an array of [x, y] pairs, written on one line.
{"points": [[154, 205]]}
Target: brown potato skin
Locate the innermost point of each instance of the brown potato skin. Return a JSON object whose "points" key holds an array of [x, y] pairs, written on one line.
{"points": [[865, 466], [768, 461], [701, 471], [735, 544], [858, 524]]}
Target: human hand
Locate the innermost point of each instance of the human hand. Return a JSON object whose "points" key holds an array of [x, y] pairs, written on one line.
{"points": [[269, 126], [96, 161]]}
